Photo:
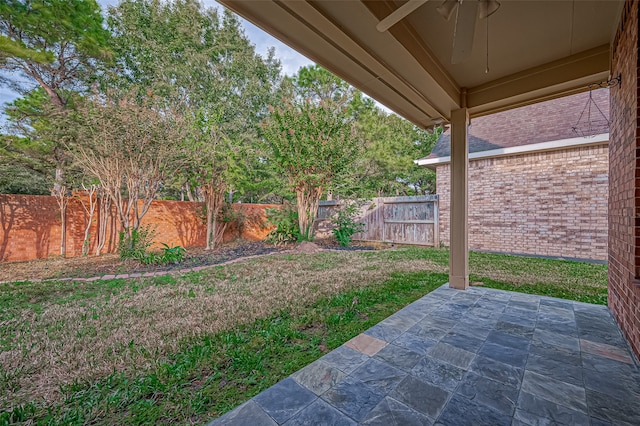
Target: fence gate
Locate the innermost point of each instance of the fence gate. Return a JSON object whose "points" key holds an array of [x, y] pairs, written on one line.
{"points": [[401, 220]]}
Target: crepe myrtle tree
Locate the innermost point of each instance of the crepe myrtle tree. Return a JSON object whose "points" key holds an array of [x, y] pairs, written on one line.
{"points": [[312, 143]]}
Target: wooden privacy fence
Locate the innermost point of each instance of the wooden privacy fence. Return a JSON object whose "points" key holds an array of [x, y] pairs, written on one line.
{"points": [[401, 220]]}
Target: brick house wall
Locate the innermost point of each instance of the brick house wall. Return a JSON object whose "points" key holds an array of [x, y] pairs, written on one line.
{"points": [[624, 179], [550, 203], [30, 226]]}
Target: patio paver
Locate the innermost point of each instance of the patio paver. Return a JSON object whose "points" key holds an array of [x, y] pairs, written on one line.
{"points": [[478, 357]]}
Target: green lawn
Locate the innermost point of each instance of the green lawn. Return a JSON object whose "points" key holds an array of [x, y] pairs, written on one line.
{"points": [[187, 349]]}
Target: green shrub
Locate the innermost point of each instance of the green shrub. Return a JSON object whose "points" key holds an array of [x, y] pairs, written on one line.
{"points": [[135, 247], [172, 254], [286, 225], [345, 221]]}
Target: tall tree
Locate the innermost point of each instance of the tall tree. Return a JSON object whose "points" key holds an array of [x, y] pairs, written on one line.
{"points": [[201, 60], [386, 167], [130, 146], [312, 144], [52, 43]]}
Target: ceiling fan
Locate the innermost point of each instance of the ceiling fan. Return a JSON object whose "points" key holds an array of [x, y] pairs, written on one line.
{"points": [[467, 13]]}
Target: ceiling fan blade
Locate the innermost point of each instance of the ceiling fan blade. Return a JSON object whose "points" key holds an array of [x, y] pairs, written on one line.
{"points": [[465, 31], [399, 14]]}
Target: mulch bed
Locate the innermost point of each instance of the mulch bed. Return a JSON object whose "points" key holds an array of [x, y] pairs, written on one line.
{"points": [[91, 266]]}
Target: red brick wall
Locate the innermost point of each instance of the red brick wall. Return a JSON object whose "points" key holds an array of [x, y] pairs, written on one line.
{"points": [[624, 180], [550, 203], [30, 226]]}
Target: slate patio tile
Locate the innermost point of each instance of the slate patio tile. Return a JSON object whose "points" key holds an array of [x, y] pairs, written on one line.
{"points": [[384, 332], [319, 413], [521, 313], [475, 321], [558, 370], [555, 391], [533, 410], [468, 343], [509, 340], [487, 303], [248, 413], [557, 312], [601, 334], [498, 371], [353, 398], [557, 340], [515, 329], [403, 320], [617, 411], [447, 313], [284, 399], [415, 343], [520, 304], [379, 375], [556, 303], [399, 357], [451, 355], [345, 359], [393, 413], [438, 373], [421, 396], [432, 327], [590, 308], [609, 366], [514, 319], [498, 396], [433, 320], [477, 331], [606, 351], [614, 383], [511, 356], [483, 313], [366, 344], [461, 411], [318, 377], [567, 356], [599, 422], [525, 297]]}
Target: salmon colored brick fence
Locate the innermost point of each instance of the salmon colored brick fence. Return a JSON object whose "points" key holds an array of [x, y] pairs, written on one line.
{"points": [[30, 226]]}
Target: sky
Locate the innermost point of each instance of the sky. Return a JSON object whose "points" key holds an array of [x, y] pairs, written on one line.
{"points": [[290, 59]]}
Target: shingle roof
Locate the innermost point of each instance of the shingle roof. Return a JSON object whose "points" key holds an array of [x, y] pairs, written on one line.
{"points": [[542, 122]]}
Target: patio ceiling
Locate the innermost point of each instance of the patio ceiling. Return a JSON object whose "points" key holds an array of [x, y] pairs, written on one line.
{"points": [[537, 50]]}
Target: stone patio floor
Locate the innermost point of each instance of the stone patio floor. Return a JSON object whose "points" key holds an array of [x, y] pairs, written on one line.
{"points": [[475, 357]]}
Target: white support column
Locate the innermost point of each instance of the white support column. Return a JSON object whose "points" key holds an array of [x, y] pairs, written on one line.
{"points": [[459, 239]]}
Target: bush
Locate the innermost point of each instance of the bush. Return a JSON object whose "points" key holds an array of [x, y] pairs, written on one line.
{"points": [[135, 247], [141, 239], [172, 254], [286, 225], [345, 221]]}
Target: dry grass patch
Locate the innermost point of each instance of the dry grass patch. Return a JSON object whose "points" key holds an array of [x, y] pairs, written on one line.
{"points": [[135, 324]]}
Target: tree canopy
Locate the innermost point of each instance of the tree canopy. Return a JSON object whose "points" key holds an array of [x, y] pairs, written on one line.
{"points": [[198, 63], [52, 43]]}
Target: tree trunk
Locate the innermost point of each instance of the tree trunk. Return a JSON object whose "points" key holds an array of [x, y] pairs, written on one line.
{"points": [[63, 201], [189, 194], [308, 199], [103, 221], [214, 197], [92, 192], [63, 231]]}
